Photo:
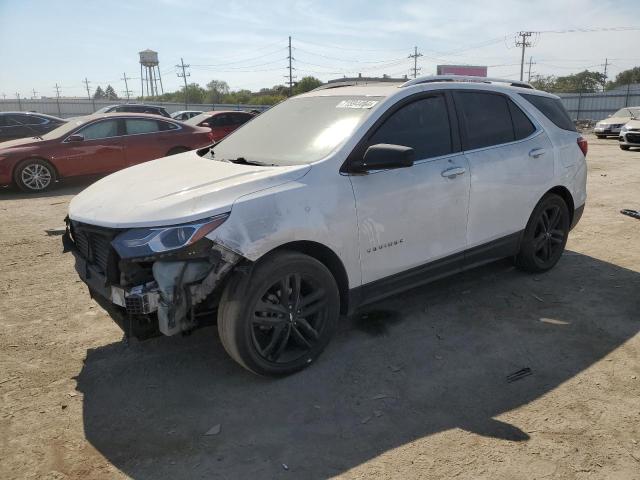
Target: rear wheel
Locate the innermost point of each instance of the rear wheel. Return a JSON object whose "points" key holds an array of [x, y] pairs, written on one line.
{"points": [[34, 175], [545, 236], [278, 319], [624, 147]]}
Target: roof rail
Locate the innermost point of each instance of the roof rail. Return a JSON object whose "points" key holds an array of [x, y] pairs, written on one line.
{"points": [[465, 78], [353, 83]]}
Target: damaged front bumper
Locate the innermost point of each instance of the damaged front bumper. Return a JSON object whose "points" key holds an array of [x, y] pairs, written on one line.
{"points": [[167, 298]]}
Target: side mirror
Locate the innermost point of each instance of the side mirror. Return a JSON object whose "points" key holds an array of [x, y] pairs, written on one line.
{"points": [[384, 156], [77, 137]]}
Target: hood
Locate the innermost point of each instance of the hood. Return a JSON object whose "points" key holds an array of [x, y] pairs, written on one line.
{"points": [[22, 142], [614, 121], [635, 124], [173, 190]]}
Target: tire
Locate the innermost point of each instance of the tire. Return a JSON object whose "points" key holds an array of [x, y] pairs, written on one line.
{"points": [[34, 175], [600, 136], [545, 236], [624, 147], [262, 330], [177, 150]]}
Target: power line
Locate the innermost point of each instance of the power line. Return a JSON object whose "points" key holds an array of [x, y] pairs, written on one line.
{"points": [[184, 77], [415, 56]]}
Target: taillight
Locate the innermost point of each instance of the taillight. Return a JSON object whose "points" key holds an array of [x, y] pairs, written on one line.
{"points": [[584, 146]]}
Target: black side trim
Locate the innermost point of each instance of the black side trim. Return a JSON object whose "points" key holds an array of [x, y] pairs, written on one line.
{"points": [[495, 250], [577, 215]]}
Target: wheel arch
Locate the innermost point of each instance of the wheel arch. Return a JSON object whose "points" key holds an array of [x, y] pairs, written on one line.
{"points": [[566, 195], [328, 258]]}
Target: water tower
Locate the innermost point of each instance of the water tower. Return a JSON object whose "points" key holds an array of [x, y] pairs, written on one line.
{"points": [[150, 73]]}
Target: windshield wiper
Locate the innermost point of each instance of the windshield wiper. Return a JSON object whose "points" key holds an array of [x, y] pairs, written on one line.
{"points": [[244, 161]]}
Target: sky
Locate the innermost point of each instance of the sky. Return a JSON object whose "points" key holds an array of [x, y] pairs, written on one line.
{"points": [[46, 42]]}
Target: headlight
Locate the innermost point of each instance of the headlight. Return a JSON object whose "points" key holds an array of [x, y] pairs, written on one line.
{"points": [[624, 129], [142, 242]]}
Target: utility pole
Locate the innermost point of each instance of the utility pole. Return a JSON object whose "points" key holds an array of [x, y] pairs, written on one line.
{"points": [[19, 103], [58, 99], [415, 56], [93, 101], [524, 43], [35, 94], [290, 58], [604, 80], [4, 96], [184, 77], [531, 62], [127, 92]]}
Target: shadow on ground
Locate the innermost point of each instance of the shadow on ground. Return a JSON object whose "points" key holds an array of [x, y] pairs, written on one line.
{"points": [[433, 359], [71, 186]]}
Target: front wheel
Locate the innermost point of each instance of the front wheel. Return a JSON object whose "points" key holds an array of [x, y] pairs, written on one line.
{"points": [[34, 175], [545, 236], [600, 136], [624, 147], [278, 319]]}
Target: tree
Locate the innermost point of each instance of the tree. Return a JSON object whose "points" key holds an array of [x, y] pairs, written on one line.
{"points": [[583, 82], [99, 94], [306, 84], [110, 93], [216, 89], [545, 83], [194, 93], [625, 77]]}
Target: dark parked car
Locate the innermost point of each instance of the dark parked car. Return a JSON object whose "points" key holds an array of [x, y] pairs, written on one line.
{"points": [[26, 124], [95, 144], [221, 122], [135, 108]]}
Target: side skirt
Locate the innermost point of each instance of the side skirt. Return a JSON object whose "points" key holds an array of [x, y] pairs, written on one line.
{"points": [[385, 287]]}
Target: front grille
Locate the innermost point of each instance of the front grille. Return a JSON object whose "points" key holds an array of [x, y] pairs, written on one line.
{"points": [[94, 245], [633, 137]]}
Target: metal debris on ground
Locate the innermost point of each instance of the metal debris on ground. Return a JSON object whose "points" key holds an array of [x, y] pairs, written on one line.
{"points": [[56, 231], [215, 430], [285, 466], [631, 213], [524, 372]]}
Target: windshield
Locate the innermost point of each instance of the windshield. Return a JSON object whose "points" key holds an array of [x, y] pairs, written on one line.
{"points": [[297, 131], [65, 128], [197, 119], [627, 112]]}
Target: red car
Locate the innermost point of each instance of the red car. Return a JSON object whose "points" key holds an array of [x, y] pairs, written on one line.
{"points": [[95, 144], [221, 122]]}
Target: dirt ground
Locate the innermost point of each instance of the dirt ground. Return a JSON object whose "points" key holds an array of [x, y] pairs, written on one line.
{"points": [[415, 387]]}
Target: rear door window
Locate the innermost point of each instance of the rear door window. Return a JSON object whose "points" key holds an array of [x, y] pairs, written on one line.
{"points": [[135, 126], [165, 126], [422, 125], [487, 119], [522, 126], [553, 109]]}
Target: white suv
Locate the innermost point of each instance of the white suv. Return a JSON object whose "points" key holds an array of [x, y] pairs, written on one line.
{"points": [[328, 201]]}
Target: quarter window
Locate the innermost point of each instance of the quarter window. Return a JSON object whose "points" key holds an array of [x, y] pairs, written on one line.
{"points": [[138, 126], [422, 125], [553, 109], [104, 129]]}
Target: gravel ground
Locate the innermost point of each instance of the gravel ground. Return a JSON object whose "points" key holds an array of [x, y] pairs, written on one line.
{"points": [[414, 387]]}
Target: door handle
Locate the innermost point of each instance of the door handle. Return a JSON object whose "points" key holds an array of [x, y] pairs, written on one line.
{"points": [[537, 152], [453, 172]]}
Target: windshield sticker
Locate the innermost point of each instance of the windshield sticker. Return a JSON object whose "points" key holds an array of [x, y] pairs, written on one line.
{"points": [[365, 104]]}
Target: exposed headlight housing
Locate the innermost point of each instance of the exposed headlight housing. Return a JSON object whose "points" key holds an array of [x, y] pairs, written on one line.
{"points": [[624, 129], [143, 242]]}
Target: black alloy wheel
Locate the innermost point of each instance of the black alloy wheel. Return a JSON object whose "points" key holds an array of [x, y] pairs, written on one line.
{"points": [[545, 236], [278, 319]]}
